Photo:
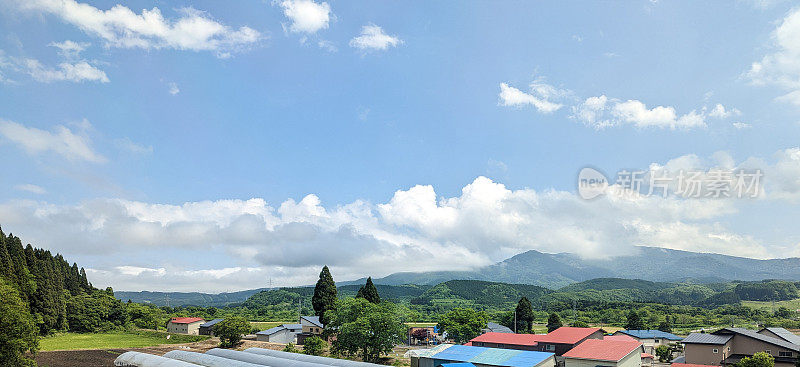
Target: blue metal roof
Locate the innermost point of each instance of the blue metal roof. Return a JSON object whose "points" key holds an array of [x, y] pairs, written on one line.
{"points": [[457, 364], [492, 356], [212, 323], [651, 334]]}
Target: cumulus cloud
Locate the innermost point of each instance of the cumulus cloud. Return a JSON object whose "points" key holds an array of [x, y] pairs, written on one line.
{"points": [[373, 37], [306, 16], [538, 97], [121, 27], [72, 72], [62, 141], [602, 112], [781, 67], [70, 49]]}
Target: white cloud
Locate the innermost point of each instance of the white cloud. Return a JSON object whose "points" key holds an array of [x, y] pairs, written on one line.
{"points": [[62, 141], [602, 112], [121, 27], [782, 66], [34, 189], [72, 72], [327, 46], [373, 37], [70, 50], [538, 97], [173, 88], [307, 16], [741, 125], [719, 111]]}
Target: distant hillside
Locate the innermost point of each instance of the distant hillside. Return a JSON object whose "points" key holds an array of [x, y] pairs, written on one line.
{"points": [[647, 263], [176, 299]]}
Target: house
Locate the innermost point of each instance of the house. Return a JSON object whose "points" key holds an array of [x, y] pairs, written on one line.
{"points": [[447, 355], [558, 341], [493, 327], [422, 335], [208, 328], [284, 334], [185, 325], [728, 346], [604, 353], [311, 325], [651, 339], [689, 365], [561, 340]]}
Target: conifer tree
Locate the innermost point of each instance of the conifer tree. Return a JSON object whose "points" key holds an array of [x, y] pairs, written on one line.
{"points": [[369, 292], [524, 315], [325, 296]]}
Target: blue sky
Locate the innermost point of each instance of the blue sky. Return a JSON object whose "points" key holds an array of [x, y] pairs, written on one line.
{"points": [[209, 146]]}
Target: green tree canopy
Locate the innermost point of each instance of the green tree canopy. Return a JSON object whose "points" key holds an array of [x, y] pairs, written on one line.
{"points": [[554, 322], [364, 328], [634, 321], [369, 292], [325, 296], [314, 346], [760, 359], [524, 315], [463, 324], [18, 331], [666, 325], [231, 330], [664, 353]]}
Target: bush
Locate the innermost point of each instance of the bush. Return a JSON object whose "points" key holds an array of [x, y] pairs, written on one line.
{"points": [[314, 346], [290, 348], [230, 331]]}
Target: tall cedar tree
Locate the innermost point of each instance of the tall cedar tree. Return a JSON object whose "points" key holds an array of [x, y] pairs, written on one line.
{"points": [[635, 321], [369, 292], [524, 314], [325, 296], [553, 322]]}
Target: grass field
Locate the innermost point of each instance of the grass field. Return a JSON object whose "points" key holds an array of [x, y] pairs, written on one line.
{"points": [[117, 339], [792, 304]]}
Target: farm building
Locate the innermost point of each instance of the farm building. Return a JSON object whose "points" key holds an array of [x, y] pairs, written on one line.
{"points": [[185, 325], [651, 339], [284, 334], [559, 341], [311, 325], [447, 355], [605, 353], [728, 346], [207, 328], [493, 327]]}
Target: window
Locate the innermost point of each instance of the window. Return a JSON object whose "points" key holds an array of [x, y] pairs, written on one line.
{"points": [[656, 341], [768, 351], [715, 350], [784, 354], [550, 347]]}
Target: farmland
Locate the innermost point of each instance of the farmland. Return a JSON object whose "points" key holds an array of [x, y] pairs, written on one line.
{"points": [[117, 339]]}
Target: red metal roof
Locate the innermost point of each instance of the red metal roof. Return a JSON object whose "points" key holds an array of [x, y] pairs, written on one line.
{"points": [[647, 355], [185, 320], [620, 337], [603, 350], [690, 365], [566, 335], [507, 338]]}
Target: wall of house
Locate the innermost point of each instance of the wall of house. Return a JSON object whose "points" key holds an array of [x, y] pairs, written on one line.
{"points": [[750, 346], [191, 329], [283, 337], [704, 353], [634, 359]]}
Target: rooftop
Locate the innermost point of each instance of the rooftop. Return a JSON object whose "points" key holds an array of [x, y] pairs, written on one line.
{"points": [[620, 337], [651, 334], [764, 338], [702, 338], [212, 323], [492, 356], [497, 328], [312, 319], [784, 334], [603, 350], [566, 335], [279, 328], [506, 338], [185, 320]]}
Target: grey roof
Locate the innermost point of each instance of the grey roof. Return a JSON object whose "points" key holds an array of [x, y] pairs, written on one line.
{"points": [[761, 337], [279, 328], [700, 338], [212, 323], [312, 319], [784, 334], [497, 328]]}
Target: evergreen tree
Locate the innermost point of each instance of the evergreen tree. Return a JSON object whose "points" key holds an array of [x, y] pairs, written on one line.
{"points": [[325, 296], [369, 292], [524, 315], [635, 321], [666, 325], [553, 322], [84, 280]]}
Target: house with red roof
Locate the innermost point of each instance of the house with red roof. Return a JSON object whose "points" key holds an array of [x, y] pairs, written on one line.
{"points": [[605, 353], [185, 325], [559, 341]]}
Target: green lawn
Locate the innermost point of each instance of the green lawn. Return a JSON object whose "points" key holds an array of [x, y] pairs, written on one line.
{"points": [[116, 339]]}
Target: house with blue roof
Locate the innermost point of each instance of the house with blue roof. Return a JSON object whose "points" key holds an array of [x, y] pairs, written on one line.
{"points": [[651, 339], [469, 356], [284, 334]]}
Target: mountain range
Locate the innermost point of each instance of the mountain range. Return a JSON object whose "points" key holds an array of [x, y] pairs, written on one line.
{"points": [[552, 271]]}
